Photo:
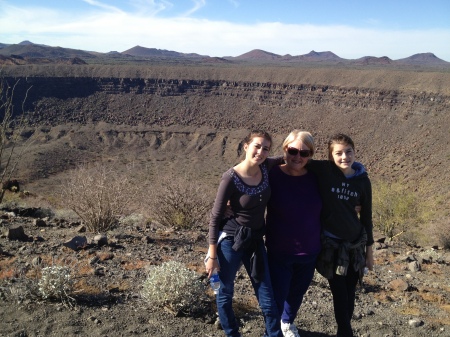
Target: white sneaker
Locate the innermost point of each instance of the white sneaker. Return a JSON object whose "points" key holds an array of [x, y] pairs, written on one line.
{"points": [[289, 330]]}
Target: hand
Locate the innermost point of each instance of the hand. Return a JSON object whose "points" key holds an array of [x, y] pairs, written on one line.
{"points": [[358, 209], [210, 265]]}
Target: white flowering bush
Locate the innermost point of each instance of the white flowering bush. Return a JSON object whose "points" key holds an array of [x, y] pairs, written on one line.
{"points": [[55, 283], [175, 287]]}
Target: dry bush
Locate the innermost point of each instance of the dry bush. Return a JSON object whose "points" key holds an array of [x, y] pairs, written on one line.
{"points": [[394, 208], [173, 286], [180, 202], [12, 126], [100, 195], [440, 231]]}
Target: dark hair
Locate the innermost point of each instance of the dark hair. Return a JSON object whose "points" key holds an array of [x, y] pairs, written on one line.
{"points": [[338, 138], [257, 133]]}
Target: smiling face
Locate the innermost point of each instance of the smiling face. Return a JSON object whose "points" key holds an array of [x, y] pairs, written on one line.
{"points": [[295, 162], [257, 150], [343, 156]]}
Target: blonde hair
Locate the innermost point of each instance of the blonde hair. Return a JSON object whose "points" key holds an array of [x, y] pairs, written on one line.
{"points": [[304, 136]]}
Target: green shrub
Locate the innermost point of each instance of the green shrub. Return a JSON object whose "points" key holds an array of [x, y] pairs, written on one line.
{"points": [[394, 208], [173, 286]]}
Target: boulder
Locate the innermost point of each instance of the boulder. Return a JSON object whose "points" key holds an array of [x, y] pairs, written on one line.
{"points": [[16, 233], [76, 243]]}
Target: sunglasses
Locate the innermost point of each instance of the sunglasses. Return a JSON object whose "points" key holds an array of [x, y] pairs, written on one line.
{"points": [[303, 153]]}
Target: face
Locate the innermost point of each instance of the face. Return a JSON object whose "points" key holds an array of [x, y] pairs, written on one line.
{"points": [[343, 157], [296, 162], [257, 150]]}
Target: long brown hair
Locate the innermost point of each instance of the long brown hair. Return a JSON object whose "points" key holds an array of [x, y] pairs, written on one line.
{"points": [[257, 133], [338, 138]]}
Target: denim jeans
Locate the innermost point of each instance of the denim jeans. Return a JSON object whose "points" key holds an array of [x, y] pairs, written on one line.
{"points": [[230, 262], [291, 276]]}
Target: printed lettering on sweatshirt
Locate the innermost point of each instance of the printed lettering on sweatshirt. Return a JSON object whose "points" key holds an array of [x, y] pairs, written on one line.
{"points": [[344, 192]]}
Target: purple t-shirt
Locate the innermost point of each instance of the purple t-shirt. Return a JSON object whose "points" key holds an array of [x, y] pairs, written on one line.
{"points": [[293, 214]]}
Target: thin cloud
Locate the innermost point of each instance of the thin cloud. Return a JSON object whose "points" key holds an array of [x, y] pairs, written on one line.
{"points": [[234, 3], [197, 5], [102, 5], [151, 7]]}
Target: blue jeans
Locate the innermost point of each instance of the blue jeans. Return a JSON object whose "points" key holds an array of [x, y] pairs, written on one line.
{"points": [[230, 262], [291, 276]]}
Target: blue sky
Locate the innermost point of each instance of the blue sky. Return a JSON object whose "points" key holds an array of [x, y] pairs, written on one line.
{"points": [[349, 28]]}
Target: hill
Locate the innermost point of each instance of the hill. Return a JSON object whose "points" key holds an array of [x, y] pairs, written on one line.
{"points": [[152, 52], [31, 53]]}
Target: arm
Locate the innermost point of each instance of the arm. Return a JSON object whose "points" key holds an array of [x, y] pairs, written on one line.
{"points": [[366, 212], [212, 261], [222, 197], [273, 161], [366, 220], [318, 167], [369, 257]]}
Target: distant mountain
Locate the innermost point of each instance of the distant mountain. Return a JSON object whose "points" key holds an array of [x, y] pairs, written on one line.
{"points": [[31, 50], [261, 55], [26, 43], [258, 54], [428, 59], [423, 58], [152, 52], [372, 60], [318, 56]]}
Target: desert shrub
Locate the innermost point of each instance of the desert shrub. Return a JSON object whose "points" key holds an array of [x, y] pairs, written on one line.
{"points": [[175, 287], [180, 202], [394, 208], [133, 219], [12, 126], [440, 232], [55, 283], [100, 195]]}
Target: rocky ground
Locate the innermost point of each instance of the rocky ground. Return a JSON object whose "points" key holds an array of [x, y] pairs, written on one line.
{"points": [[408, 294]]}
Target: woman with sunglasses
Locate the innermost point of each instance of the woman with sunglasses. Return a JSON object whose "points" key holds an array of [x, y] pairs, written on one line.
{"points": [[293, 227], [347, 236], [240, 239]]}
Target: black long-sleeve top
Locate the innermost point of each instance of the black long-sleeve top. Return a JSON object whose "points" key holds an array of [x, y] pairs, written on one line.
{"points": [[340, 196]]}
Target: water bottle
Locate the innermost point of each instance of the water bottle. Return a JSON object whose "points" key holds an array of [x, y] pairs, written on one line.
{"points": [[366, 270], [214, 280]]}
